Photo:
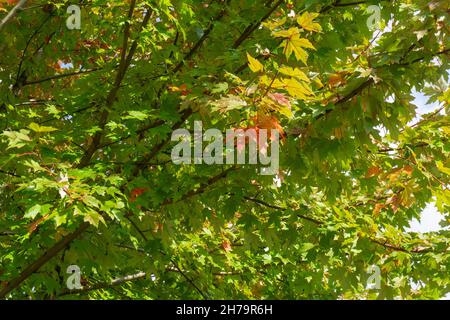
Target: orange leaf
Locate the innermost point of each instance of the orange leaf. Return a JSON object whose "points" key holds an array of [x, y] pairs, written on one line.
{"points": [[408, 170], [377, 209], [336, 80], [270, 122], [373, 171], [226, 246]]}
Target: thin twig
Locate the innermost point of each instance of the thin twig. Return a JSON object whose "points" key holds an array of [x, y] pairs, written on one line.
{"points": [[12, 13]]}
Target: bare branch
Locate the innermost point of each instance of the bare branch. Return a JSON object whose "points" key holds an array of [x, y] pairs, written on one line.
{"points": [[202, 39], [106, 285], [253, 26], [12, 13], [59, 76], [33, 267]]}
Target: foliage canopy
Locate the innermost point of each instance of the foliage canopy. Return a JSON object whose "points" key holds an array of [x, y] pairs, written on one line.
{"points": [[86, 176]]}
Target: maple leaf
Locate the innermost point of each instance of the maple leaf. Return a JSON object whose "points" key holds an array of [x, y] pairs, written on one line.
{"points": [[295, 72], [297, 89], [373, 171], [336, 80], [307, 23], [230, 102], [276, 102], [287, 33], [136, 192], [183, 89], [254, 64], [280, 99], [226, 245], [295, 45], [271, 25], [109, 122], [394, 202], [269, 122], [408, 170], [377, 209]]}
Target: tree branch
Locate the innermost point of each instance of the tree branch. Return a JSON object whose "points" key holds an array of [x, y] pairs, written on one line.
{"points": [[59, 76], [123, 66], [157, 148], [10, 174], [253, 26], [265, 204], [382, 243], [202, 187], [106, 285], [33, 267], [370, 81], [7, 233], [190, 281], [12, 13], [202, 39]]}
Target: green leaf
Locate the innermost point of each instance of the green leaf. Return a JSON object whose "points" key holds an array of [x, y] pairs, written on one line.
{"points": [[37, 128], [33, 212], [16, 139]]}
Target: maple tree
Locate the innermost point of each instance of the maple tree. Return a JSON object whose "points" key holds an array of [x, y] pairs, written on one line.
{"points": [[86, 176]]}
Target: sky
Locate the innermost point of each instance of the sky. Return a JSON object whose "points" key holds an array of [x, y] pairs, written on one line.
{"points": [[430, 217]]}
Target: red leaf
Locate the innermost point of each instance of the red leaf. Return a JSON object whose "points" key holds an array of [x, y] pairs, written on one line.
{"points": [[226, 246], [280, 99], [373, 171], [136, 192]]}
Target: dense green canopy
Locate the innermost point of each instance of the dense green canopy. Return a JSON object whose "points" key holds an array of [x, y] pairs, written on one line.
{"points": [[86, 176]]}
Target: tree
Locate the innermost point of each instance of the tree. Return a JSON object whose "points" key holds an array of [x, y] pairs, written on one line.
{"points": [[87, 178]]}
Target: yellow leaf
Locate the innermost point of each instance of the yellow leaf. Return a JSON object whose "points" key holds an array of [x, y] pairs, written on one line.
{"points": [[264, 80], [297, 89], [276, 102], [274, 24], [295, 72], [254, 64], [307, 23], [295, 45], [318, 83], [442, 168], [230, 102], [274, 84], [407, 197], [286, 33], [302, 42]]}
